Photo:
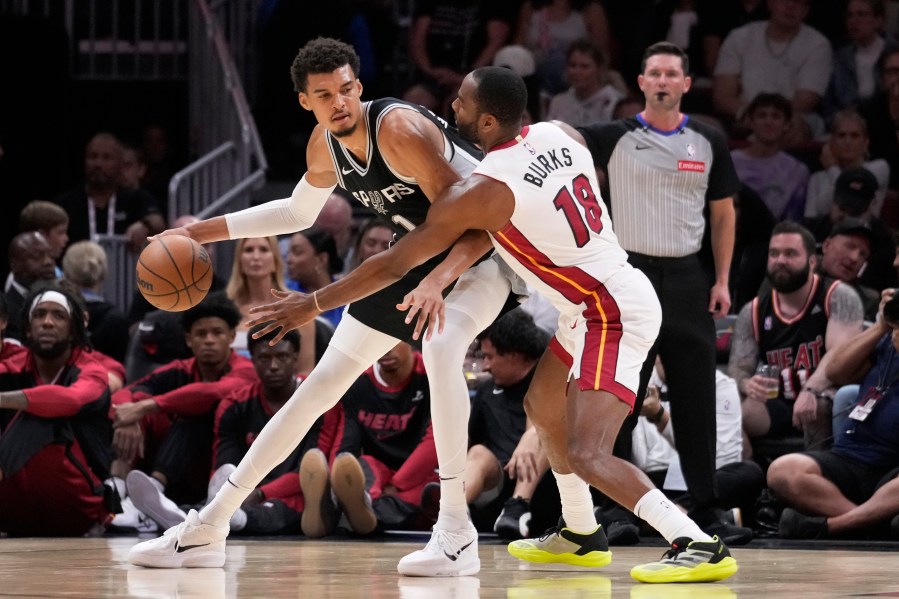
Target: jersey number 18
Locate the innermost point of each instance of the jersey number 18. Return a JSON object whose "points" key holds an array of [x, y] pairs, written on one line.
{"points": [[567, 201]]}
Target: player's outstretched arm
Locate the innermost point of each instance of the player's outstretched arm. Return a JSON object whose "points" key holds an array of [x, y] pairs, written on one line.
{"points": [[476, 203], [276, 217]]}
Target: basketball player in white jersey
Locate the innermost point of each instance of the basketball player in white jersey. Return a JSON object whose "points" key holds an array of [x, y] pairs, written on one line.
{"points": [[536, 194]]}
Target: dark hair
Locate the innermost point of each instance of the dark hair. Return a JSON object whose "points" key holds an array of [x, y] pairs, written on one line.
{"points": [[787, 227], [321, 55], [323, 242], [666, 48], [500, 92], [292, 337], [766, 100], [516, 333], [216, 304], [590, 49], [76, 307]]}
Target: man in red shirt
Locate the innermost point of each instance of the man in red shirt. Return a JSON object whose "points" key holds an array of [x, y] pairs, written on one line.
{"points": [[55, 439]]}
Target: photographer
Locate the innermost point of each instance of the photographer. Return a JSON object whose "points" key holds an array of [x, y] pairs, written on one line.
{"points": [[853, 486]]}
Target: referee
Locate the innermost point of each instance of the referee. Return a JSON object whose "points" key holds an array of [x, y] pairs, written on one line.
{"points": [[663, 170]]}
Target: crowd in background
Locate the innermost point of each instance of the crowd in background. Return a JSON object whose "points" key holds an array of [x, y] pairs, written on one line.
{"points": [[807, 97]]}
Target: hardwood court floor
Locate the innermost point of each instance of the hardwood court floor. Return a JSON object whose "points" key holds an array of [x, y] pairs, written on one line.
{"points": [[96, 568]]}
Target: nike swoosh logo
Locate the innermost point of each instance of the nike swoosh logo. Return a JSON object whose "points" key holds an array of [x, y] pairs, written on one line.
{"points": [[458, 553], [641, 147], [347, 171], [183, 548], [574, 325], [497, 391]]}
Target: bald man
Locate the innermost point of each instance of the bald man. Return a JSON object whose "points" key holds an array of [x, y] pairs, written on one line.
{"points": [[30, 260]]}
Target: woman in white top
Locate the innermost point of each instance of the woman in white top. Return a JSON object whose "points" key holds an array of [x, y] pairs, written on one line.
{"points": [[846, 148], [548, 28], [593, 93]]}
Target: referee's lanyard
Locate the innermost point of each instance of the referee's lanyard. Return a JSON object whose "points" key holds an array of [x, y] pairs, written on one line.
{"points": [[92, 217], [874, 395]]}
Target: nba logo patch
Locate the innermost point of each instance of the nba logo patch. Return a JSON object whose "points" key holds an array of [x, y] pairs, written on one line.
{"points": [[691, 150], [768, 323], [530, 149]]}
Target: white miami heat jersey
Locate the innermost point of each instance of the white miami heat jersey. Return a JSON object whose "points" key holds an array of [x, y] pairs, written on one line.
{"points": [[560, 236]]}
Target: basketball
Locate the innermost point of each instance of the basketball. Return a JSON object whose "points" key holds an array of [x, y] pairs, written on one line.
{"points": [[174, 273]]}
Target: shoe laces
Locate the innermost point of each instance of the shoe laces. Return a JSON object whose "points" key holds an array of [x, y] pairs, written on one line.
{"points": [[675, 550], [552, 530], [447, 541]]}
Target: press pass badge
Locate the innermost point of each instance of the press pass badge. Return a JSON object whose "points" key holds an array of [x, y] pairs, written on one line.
{"points": [[860, 412]]}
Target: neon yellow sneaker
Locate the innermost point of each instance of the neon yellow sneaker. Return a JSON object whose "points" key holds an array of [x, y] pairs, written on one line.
{"points": [[559, 545], [689, 561]]}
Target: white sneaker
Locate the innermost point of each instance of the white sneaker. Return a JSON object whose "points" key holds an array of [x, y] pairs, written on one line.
{"points": [[191, 544], [218, 480], [147, 497], [132, 519], [448, 553]]}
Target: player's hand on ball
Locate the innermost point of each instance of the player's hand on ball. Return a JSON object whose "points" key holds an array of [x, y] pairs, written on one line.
{"points": [[182, 231], [291, 311]]}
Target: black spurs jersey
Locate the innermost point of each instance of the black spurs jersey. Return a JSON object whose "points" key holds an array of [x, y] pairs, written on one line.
{"points": [[795, 346], [397, 200]]}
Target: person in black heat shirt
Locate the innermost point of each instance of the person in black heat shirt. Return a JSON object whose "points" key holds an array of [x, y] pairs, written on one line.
{"points": [[54, 430], [395, 158], [385, 455]]}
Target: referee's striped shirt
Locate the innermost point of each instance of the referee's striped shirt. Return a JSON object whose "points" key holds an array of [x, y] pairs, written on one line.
{"points": [[661, 181]]}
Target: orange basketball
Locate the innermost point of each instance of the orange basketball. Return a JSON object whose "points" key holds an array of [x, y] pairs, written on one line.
{"points": [[174, 273]]}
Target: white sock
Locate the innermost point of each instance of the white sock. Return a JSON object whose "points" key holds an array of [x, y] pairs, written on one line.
{"points": [[667, 518], [453, 509], [238, 520], [577, 504]]}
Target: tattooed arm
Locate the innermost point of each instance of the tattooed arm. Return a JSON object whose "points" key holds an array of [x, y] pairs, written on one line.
{"points": [[744, 357], [844, 322]]}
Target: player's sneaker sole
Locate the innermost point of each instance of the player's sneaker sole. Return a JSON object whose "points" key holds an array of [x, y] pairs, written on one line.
{"points": [[319, 514], [348, 483]]}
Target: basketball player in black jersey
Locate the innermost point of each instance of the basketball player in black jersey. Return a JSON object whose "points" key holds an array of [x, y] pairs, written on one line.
{"points": [[793, 326], [394, 158]]}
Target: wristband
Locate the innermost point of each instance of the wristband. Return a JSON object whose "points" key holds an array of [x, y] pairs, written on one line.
{"points": [[315, 299]]}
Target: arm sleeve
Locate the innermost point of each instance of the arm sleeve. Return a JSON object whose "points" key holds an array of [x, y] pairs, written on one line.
{"points": [[278, 217], [723, 179], [419, 466]]}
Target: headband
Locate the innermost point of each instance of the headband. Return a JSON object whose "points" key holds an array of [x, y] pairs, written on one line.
{"points": [[54, 297]]}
